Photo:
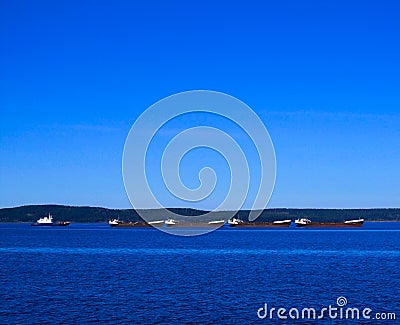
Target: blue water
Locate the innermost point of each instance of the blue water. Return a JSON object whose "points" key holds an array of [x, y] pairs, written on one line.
{"points": [[96, 274]]}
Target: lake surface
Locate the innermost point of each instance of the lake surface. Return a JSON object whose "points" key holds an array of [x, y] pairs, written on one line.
{"points": [[91, 273]]}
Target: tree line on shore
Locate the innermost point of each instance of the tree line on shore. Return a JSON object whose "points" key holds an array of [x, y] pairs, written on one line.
{"points": [[31, 213]]}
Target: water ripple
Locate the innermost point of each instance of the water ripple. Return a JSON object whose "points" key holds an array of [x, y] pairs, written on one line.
{"points": [[191, 251]]}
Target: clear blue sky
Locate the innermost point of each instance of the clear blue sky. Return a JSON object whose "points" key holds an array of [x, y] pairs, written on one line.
{"points": [[324, 76]]}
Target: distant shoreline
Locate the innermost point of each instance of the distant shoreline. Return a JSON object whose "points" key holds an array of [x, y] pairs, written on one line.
{"points": [[86, 214], [106, 222]]}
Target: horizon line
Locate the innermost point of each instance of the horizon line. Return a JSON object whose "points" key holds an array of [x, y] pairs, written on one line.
{"points": [[132, 208]]}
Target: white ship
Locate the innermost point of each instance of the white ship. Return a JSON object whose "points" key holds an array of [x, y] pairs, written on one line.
{"points": [[45, 220], [302, 222], [234, 221], [48, 221], [113, 222], [170, 222]]}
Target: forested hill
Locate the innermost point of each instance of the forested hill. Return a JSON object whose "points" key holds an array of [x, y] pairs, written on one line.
{"points": [[31, 213]]}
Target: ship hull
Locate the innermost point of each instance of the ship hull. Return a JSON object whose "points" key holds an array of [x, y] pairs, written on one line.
{"points": [[54, 224], [330, 225], [134, 225], [130, 225], [197, 224], [261, 225]]}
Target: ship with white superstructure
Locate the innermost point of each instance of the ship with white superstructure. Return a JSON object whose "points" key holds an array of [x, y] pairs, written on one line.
{"points": [[47, 221]]}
